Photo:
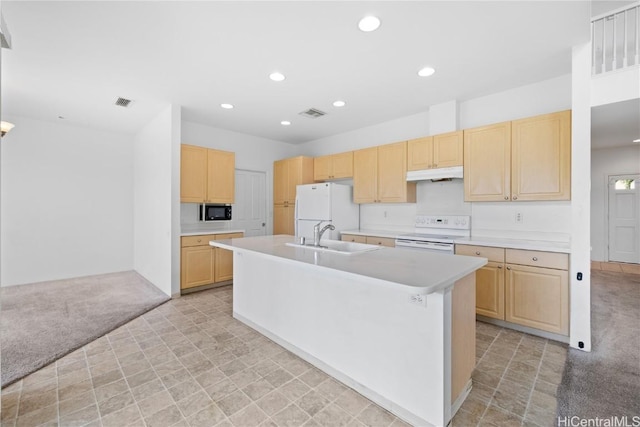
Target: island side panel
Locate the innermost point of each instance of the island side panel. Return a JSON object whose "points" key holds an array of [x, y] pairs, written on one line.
{"points": [[463, 331], [370, 335]]}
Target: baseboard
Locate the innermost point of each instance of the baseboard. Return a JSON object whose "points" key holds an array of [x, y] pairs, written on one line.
{"points": [[525, 329], [456, 404], [205, 287]]}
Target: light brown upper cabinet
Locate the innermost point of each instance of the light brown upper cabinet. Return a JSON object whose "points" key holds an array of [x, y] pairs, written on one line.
{"points": [[287, 174], [439, 151], [380, 175], [334, 166], [487, 163], [541, 157], [206, 175], [528, 159]]}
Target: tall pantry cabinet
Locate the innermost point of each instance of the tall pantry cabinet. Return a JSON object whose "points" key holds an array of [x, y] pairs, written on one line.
{"points": [[287, 174]]}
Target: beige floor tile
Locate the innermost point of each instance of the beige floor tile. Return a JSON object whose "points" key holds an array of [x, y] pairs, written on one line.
{"points": [[154, 403], [334, 416], [39, 416], [499, 417], [211, 415], [312, 402], [69, 406], [273, 403], [251, 416], [127, 416], [291, 416], [115, 403], [194, 403], [184, 389], [168, 416], [375, 415], [233, 403], [257, 389], [80, 417], [352, 402]]}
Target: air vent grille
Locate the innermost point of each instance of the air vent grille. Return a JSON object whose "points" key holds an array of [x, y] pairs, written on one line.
{"points": [[123, 102], [312, 113]]}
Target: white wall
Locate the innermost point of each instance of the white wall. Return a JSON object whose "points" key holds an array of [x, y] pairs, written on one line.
{"points": [[605, 162], [384, 133], [67, 199], [252, 153], [155, 233], [496, 219]]}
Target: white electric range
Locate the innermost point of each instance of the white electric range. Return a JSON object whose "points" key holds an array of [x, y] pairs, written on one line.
{"points": [[436, 233]]}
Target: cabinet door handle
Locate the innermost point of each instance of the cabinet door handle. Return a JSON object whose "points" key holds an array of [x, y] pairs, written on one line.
{"points": [[500, 267], [515, 197], [535, 258], [506, 197], [199, 240], [477, 252], [508, 268]]}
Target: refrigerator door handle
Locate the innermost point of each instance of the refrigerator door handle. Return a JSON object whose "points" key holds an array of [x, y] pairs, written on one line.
{"points": [[295, 217]]}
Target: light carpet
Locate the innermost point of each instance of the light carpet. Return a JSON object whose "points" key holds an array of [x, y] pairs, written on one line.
{"points": [[42, 322], [605, 383]]}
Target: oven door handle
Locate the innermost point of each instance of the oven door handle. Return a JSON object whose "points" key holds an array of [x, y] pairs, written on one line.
{"points": [[424, 245]]}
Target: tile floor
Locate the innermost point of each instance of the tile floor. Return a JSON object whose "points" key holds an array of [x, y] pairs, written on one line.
{"points": [[619, 267], [189, 363]]}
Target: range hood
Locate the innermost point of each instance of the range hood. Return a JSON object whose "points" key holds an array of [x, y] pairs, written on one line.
{"points": [[435, 174]]}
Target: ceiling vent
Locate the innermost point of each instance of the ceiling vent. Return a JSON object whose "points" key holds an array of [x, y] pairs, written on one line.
{"points": [[123, 102], [312, 113]]}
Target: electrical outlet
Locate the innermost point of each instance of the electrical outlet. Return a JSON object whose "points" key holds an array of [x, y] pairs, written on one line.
{"points": [[519, 218], [418, 299], [385, 214]]}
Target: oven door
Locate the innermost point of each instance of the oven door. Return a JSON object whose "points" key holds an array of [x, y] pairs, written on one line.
{"points": [[443, 248]]}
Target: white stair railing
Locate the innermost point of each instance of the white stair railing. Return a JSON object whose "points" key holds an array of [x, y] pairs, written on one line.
{"points": [[615, 38]]}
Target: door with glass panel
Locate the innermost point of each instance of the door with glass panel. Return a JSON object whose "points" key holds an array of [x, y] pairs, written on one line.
{"points": [[624, 218]]}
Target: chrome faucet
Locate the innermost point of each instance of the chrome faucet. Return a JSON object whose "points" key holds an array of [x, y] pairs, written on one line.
{"points": [[317, 232]]}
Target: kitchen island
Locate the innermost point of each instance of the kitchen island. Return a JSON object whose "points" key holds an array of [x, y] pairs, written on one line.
{"points": [[396, 326]]}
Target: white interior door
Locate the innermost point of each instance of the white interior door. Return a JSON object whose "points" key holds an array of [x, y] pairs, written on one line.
{"points": [[249, 210], [624, 218]]}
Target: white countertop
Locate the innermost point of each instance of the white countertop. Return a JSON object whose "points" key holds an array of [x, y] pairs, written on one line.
{"points": [[205, 232], [377, 233], [533, 245], [413, 271]]}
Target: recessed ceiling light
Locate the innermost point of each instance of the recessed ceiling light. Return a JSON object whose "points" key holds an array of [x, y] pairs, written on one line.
{"points": [[426, 72], [285, 123], [276, 77], [369, 23], [227, 106], [339, 104], [636, 140]]}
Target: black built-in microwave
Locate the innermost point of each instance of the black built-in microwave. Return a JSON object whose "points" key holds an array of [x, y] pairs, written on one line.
{"points": [[215, 212]]}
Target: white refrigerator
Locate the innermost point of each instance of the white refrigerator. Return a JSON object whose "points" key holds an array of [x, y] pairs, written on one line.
{"points": [[328, 202]]}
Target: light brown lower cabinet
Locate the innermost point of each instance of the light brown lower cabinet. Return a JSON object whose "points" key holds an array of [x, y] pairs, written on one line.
{"points": [[201, 264], [528, 288], [353, 238], [370, 240]]}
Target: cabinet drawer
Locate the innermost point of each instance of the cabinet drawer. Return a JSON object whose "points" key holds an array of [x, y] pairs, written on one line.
{"points": [[538, 259], [353, 238], [199, 240], [491, 253], [228, 236], [382, 241]]}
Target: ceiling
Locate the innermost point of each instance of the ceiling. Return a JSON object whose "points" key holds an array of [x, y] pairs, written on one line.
{"points": [[73, 59]]}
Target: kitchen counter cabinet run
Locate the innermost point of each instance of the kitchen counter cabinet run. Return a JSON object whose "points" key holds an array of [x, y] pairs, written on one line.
{"points": [[352, 317]]}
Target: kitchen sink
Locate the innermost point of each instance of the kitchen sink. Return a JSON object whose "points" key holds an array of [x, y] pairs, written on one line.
{"points": [[337, 246]]}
